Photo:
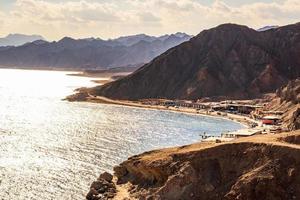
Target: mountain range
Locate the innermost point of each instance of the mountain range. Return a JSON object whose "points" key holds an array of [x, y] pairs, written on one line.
{"points": [[229, 60], [89, 53], [18, 39]]}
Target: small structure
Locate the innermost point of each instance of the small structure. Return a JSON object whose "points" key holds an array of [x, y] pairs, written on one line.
{"points": [[242, 133], [169, 103], [217, 139], [270, 120], [200, 106], [235, 108], [183, 103]]}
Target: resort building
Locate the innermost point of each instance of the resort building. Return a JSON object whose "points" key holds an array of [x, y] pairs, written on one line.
{"points": [[236, 108], [271, 120], [241, 133], [228, 136]]}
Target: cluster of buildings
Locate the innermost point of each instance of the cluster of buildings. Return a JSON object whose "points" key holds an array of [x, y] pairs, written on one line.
{"points": [[267, 117], [267, 121], [236, 107], [228, 136], [176, 103]]}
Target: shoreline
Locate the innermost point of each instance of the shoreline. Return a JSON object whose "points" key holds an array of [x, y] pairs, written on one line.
{"points": [[243, 120]]}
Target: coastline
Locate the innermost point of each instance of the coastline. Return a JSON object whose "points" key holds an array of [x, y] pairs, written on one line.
{"points": [[243, 120], [161, 173], [252, 168]]}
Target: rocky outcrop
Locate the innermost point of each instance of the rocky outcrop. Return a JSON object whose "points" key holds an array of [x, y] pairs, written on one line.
{"points": [[103, 188], [295, 120], [254, 168], [290, 92], [287, 100], [229, 60]]}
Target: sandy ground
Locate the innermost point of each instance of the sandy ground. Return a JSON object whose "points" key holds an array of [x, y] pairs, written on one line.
{"points": [[246, 121]]}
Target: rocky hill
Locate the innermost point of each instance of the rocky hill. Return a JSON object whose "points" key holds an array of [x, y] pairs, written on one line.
{"points": [[264, 167], [89, 53], [290, 92], [287, 100], [229, 60]]}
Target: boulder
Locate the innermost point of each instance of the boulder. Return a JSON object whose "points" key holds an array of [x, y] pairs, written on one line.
{"points": [[106, 176]]}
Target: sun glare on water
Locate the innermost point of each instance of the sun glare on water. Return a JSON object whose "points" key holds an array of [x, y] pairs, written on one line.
{"points": [[53, 149], [42, 83]]}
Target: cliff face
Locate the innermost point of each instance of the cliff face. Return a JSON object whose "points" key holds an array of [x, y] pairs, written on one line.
{"points": [[255, 168], [229, 60], [290, 92], [288, 100]]}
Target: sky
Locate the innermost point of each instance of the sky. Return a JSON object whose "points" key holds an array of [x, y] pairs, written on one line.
{"points": [[105, 19]]}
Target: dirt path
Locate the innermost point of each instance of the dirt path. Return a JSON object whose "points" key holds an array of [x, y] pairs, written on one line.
{"points": [[273, 139], [122, 193]]}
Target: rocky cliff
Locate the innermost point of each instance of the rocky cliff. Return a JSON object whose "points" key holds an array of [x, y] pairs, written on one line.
{"points": [[290, 92], [287, 100], [254, 168], [229, 60]]}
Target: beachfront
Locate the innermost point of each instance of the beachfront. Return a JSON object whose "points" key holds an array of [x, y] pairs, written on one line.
{"points": [[247, 112]]}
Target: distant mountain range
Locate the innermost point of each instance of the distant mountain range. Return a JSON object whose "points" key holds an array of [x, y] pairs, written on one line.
{"points": [[229, 60], [89, 53], [18, 39], [131, 40]]}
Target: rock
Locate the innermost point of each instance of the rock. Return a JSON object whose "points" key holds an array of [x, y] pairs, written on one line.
{"points": [[295, 120], [98, 184], [290, 92], [106, 176], [287, 100], [120, 171], [102, 189], [91, 194]]}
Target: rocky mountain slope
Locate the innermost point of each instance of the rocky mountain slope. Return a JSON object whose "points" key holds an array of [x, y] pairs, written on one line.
{"points": [[89, 53], [287, 100], [264, 167], [18, 39], [229, 60]]}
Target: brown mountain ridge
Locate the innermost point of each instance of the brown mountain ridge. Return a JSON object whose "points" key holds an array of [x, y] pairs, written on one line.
{"points": [[229, 60]]}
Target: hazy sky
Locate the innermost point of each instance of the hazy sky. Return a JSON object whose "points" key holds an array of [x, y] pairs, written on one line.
{"points": [[55, 19]]}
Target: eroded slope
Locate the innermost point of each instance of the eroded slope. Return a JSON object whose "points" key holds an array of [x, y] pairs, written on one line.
{"points": [[261, 167]]}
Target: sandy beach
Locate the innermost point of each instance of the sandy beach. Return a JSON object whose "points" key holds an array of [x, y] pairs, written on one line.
{"points": [[244, 120]]}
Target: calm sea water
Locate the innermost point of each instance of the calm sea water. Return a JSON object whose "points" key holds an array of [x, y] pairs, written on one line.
{"points": [[53, 149]]}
